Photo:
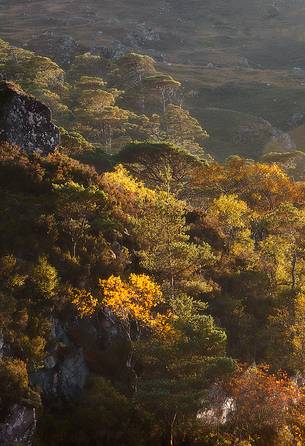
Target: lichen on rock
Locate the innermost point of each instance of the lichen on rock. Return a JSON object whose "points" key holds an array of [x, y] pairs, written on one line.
{"points": [[26, 122]]}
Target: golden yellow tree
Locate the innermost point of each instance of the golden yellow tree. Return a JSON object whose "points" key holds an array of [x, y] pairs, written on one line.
{"points": [[136, 306], [134, 303], [230, 217], [137, 300]]}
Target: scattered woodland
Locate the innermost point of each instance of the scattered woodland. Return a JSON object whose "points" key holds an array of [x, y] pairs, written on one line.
{"points": [[181, 279]]}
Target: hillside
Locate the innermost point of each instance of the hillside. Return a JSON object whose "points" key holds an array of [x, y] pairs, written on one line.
{"points": [[141, 297], [152, 223], [236, 56]]}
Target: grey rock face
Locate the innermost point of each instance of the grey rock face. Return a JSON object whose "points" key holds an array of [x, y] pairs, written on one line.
{"points": [[19, 426], [62, 378], [254, 131], [142, 35], [73, 375], [281, 141], [58, 333], [61, 48], [65, 372], [273, 11], [26, 122]]}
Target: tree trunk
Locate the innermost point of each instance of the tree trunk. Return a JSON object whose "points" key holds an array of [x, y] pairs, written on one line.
{"points": [[130, 363], [172, 430]]}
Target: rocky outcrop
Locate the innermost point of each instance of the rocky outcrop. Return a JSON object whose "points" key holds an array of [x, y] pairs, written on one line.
{"points": [[19, 426], [65, 373], [280, 142], [61, 48], [296, 120], [26, 122], [62, 378], [65, 370], [142, 35]]}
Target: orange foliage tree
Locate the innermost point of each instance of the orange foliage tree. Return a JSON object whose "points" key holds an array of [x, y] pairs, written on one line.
{"points": [[262, 186], [136, 301], [266, 407]]}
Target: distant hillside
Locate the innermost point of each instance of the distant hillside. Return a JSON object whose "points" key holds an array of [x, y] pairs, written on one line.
{"points": [[244, 56]]}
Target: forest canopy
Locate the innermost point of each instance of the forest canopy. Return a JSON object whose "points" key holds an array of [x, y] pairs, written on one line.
{"points": [[173, 284]]}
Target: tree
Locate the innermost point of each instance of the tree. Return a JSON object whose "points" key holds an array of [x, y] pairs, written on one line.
{"points": [[290, 162], [156, 219], [93, 101], [126, 195], [183, 130], [44, 278], [102, 416], [161, 166], [161, 231], [298, 333], [85, 303], [14, 383], [10, 275], [287, 322], [162, 85], [88, 64], [177, 372], [263, 187], [136, 301], [130, 72], [273, 254], [133, 67], [231, 217], [135, 304], [74, 144], [264, 404], [288, 223], [107, 124], [96, 113], [78, 207], [91, 83]]}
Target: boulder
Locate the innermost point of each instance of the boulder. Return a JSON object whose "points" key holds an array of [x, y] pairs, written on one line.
{"points": [[19, 427], [26, 122]]}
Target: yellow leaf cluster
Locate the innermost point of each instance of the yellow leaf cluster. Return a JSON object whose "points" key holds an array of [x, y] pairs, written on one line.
{"points": [[84, 302], [138, 299]]}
